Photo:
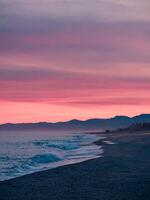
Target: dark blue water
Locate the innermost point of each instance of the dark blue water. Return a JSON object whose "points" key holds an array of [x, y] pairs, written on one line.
{"points": [[27, 152]]}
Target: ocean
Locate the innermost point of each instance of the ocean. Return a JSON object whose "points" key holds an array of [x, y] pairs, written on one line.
{"points": [[27, 152]]}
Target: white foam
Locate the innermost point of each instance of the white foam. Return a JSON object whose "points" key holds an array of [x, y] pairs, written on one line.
{"points": [[20, 157], [108, 142]]}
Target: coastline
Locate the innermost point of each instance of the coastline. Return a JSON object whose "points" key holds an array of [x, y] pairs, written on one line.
{"points": [[48, 153], [122, 173]]}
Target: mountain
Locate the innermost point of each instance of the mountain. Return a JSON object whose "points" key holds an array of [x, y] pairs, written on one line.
{"points": [[145, 126], [88, 125], [136, 127]]}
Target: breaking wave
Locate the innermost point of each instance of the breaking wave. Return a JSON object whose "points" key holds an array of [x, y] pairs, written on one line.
{"points": [[18, 158]]}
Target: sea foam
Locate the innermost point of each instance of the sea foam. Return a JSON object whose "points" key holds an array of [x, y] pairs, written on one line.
{"points": [[20, 156]]}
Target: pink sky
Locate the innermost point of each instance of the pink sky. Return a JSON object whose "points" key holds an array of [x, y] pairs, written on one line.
{"points": [[73, 59]]}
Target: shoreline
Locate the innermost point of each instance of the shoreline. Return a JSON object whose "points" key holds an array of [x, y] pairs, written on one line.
{"points": [[97, 152], [122, 173]]}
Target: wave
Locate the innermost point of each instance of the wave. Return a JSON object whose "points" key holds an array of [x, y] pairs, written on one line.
{"points": [[20, 158], [62, 145], [45, 158]]}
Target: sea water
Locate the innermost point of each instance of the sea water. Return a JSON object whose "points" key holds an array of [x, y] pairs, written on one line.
{"points": [[27, 152]]}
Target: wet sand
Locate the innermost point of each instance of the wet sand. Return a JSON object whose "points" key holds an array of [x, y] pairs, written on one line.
{"points": [[123, 173]]}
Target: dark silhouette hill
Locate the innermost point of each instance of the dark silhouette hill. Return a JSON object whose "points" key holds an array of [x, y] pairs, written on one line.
{"points": [[88, 125], [143, 126]]}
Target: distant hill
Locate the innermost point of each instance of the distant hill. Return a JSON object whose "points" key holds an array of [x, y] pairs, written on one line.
{"points": [[88, 125], [136, 127], [139, 127]]}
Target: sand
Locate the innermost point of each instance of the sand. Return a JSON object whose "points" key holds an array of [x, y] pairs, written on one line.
{"points": [[123, 173]]}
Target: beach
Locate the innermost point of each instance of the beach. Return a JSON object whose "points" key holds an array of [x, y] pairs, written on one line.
{"points": [[122, 173]]}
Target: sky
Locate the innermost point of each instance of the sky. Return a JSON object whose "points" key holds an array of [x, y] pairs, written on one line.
{"points": [[67, 59]]}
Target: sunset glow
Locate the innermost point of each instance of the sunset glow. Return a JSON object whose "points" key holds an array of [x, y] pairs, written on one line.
{"points": [[68, 59]]}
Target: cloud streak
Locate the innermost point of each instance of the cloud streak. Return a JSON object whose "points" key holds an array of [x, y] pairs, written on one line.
{"points": [[108, 10], [74, 57]]}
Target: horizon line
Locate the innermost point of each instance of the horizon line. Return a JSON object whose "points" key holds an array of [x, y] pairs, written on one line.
{"points": [[75, 119]]}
